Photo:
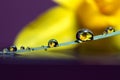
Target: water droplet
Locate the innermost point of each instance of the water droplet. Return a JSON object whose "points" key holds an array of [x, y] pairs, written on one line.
{"points": [[22, 48], [52, 43], [84, 35], [44, 47], [32, 49], [5, 50], [28, 48], [108, 30], [12, 48]]}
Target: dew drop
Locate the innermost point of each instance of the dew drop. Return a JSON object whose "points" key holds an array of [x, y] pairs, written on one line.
{"points": [[52, 43], [84, 35], [5, 50], [22, 48], [108, 30], [12, 48], [28, 48]]}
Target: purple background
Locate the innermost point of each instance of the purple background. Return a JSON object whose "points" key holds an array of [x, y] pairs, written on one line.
{"points": [[15, 14]]}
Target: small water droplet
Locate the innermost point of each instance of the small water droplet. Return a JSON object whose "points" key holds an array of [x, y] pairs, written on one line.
{"points": [[5, 50], [22, 48], [28, 48], [52, 43], [12, 48], [44, 47], [108, 30]]}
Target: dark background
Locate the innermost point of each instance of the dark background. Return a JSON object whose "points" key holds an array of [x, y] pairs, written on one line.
{"points": [[15, 14]]}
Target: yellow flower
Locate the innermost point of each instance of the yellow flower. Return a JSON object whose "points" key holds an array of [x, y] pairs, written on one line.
{"points": [[62, 22], [69, 4]]}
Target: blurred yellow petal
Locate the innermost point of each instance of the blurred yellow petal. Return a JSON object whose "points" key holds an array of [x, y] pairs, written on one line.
{"points": [[56, 23], [108, 7], [60, 23], [90, 16], [96, 17], [71, 4], [116, 39]]}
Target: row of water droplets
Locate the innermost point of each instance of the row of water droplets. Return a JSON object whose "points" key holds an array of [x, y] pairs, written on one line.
{"points": [[82, 35]]}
